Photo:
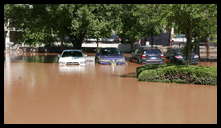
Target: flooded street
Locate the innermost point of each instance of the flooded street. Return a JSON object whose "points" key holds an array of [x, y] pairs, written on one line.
{"points": [[45, 92]]}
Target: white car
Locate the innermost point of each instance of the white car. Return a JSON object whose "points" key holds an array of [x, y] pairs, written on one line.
{"points": [[72, 57]]}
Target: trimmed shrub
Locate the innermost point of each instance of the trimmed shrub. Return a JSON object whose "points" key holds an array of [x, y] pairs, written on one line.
{"points": [[150, 66], [178, 73], [152, 75]]}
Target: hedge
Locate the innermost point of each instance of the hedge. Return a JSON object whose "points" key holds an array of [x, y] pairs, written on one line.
{"points": [[178, 73]]}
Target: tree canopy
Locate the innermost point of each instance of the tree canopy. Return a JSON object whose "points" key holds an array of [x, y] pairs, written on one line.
{"points": [[72, 23]]}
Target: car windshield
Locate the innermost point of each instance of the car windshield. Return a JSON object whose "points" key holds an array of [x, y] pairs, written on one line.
{"points": [[72, 54], [110, 51], [152, 51]]}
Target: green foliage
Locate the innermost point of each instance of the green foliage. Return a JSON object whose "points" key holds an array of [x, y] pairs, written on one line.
{"points": [[196, 21], [150, 66], [179, 74], [129, 21], [139, 21]]}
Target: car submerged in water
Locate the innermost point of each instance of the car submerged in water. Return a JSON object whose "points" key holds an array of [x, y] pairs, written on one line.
{"points": [[109, 56], [147, 55], [72, 57], [176, 55]]}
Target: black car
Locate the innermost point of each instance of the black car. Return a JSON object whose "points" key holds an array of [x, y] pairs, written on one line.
{"points": [[175, 55], [146, 55]]}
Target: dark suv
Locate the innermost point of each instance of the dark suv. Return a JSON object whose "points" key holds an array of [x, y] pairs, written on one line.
{"points": [[146, 55], [175, 55]]}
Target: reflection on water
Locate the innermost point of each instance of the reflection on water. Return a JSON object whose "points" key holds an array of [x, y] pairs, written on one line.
{"points": [[7, 68], [35, 59], [112, 68], [72, 68]]}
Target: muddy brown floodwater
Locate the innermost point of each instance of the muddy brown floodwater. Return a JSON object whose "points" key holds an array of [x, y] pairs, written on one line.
{"points": [[49, 93]]}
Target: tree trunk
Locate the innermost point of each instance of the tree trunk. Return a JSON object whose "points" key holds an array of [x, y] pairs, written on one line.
{"points": [[97, 44], [73, 44], [188, 45], [131, 46], [169, 40], [207, 50], [198, 48], [62, 45], [169, 30], [151, 40], [77, 43]]}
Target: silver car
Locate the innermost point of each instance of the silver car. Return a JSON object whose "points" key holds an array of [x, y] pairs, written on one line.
{"points": [[145, 55]]}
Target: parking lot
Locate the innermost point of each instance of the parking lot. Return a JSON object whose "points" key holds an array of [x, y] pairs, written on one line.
{"points": [[93, 93]]}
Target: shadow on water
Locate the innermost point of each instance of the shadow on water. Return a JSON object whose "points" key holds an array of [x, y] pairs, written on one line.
{"points": [[131, 75], [36, 59]]}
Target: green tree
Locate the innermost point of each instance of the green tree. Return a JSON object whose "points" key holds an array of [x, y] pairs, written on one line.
{"points": [[45, 24], [192, 19]]}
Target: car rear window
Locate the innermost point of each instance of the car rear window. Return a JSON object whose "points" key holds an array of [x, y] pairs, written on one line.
{"points": [[72, 54], [152, 51], [110, 51]]}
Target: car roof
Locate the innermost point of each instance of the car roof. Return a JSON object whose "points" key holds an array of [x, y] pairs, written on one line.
{"points": [[108, 48], [148, 48], [72, 50]]}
